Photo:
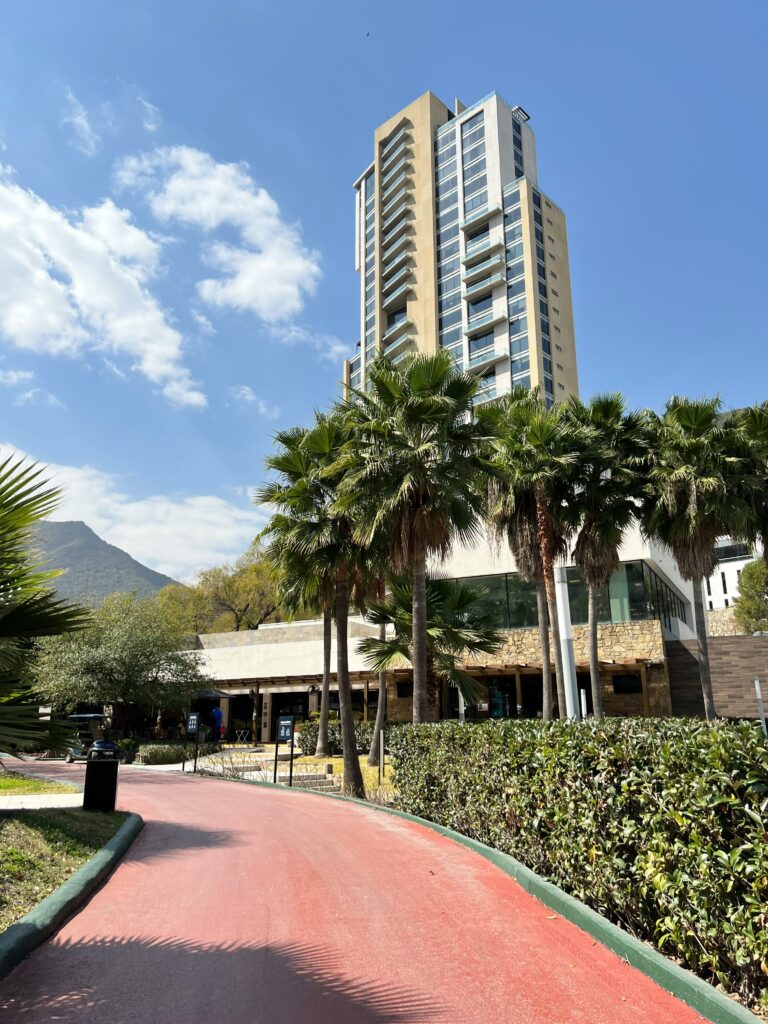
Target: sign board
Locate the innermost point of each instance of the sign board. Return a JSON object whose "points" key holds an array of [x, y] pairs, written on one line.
{"points": [[193, 721], [284, 728]]}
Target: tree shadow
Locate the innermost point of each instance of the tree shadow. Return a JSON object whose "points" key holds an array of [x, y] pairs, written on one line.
{"points": [[161, 839], [156, 979]]}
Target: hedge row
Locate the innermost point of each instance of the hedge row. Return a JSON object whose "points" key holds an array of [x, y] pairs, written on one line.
{"points": [[307, 737], [173, 753], [662, 826]]}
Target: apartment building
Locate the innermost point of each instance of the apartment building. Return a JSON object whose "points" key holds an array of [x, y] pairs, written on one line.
{"points": [[458, 248]]}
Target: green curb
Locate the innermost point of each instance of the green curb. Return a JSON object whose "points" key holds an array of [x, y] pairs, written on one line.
{"points": [[47, 917], [712, 1004]]}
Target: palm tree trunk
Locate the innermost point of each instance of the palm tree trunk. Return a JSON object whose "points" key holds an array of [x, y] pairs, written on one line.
{"points": [[433, 691], [322, 749], [420, 637], [548, 567], [381, 707], [701, 636], [353, 778], [546, 663], [594, 662]]}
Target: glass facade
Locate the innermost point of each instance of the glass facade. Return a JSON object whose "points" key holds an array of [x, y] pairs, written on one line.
{"points": [[635, 593], [447, 226], [369, 268]]}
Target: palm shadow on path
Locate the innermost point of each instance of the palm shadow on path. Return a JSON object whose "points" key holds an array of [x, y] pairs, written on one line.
{"points": [[143, 980]]}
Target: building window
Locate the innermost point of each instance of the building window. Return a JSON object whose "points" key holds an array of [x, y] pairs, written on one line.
{"points": [[727, 603], [480, 306], [725, 585], [709, 588]]}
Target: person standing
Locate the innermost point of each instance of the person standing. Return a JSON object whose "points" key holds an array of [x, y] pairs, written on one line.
{"points": [[217, 717]]}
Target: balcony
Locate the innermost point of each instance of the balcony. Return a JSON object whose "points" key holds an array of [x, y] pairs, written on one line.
{"points": [[475, 272], [484, 321], [403, 226], [398, 147], [399, 348], [397, 247], [401, 167], [484, 358], [396, 212], [481, 216], [396, 298], [396, 332], [396, 279], [484, 286], [403, 180], [481, 249], [393, 140], [486, 394], [401, 256], [403, 353]]}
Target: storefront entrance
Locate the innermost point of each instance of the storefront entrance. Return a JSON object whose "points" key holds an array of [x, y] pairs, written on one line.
{"points": [[296, 704]]}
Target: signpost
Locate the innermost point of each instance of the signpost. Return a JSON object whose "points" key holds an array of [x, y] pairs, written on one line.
{"points": [[284, 735], [193, 726]]}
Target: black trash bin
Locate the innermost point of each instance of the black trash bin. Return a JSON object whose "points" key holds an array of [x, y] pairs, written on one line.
{"points": [[100, 792]]}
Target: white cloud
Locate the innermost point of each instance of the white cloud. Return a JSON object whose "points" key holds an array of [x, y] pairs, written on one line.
{"points": [[86, 138], [176, 535], [270, 273], [204, 325], [151, 117], [243, 393], [328, 345], [39, 396], [12, 378], [68, 286]]}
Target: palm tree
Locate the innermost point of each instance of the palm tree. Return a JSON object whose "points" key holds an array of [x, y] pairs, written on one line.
{"points": [[310, 528], [512, 517], [607, 497], [752, 427], [304, 582], [694, 495], [456, 628], [413, 472], [29, 609], [536, 452], [374, 752]]}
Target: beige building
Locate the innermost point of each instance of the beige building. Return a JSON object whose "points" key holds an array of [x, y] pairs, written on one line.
{"points": [[458, 248]]}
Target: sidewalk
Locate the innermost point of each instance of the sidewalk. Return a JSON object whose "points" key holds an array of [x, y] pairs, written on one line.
{"points": [[39, 801], [257, 904]]}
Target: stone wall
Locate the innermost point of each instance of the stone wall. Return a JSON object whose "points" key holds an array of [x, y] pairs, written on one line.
{"points": [[722, 622], [622, 643]]}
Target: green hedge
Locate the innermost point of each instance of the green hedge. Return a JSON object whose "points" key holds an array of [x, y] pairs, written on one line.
{"points": [[661, 825], [173, 753], [307, 737]]}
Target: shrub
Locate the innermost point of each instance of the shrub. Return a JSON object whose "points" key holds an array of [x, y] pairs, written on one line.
{"points": [[659, 825], [161, 753], [307, 737]]}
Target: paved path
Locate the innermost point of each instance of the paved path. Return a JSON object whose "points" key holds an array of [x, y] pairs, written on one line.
{"points": [[248, 904]]}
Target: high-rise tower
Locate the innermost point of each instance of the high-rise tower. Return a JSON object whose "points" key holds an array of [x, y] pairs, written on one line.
{"points": [[458, 248]]}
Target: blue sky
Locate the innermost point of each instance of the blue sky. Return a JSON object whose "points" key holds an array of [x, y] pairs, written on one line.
{"points": [[176, 221]]}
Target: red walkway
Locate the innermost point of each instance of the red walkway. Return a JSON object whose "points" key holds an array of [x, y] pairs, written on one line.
{"points": [[245, 904]]}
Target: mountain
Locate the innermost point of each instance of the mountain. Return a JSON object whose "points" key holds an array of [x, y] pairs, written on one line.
{"points": [[93, 568]]}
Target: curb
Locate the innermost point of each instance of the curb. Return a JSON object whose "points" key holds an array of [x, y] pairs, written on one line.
{"points": [[713, 1005], [26, 934]]}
